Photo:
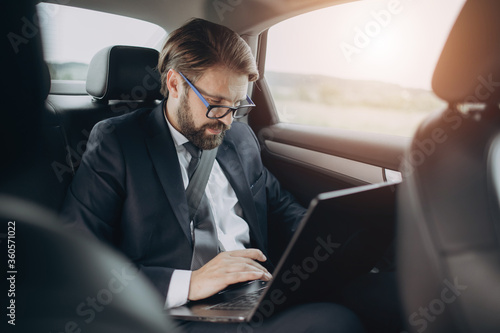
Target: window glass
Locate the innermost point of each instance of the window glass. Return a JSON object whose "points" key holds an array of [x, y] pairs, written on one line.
{"points": [[365, 65], [72, 36]]}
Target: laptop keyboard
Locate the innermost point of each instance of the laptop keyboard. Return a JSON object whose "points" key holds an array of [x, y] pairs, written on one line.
{"points": [[243, 302]]}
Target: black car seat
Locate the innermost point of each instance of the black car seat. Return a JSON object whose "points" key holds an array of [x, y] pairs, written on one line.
{"points": [[449, 203], [59, 282], [121, 79], [52, 281]]}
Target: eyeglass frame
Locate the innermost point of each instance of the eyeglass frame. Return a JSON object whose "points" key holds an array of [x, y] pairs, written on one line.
{"points": [[232, 109]]}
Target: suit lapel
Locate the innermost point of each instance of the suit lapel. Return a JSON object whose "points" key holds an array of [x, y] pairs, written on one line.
{"points": [[230, 162], [164, 156], [162, 150]]}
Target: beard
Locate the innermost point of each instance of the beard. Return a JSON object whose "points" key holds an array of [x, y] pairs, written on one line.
{"points": [[197, 135]]}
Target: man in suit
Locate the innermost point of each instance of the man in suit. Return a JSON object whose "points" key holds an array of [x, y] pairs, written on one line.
{"points": [[130, 188]]}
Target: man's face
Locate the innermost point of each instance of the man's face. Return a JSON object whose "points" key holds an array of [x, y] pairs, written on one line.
{"points": [[219, 86]]}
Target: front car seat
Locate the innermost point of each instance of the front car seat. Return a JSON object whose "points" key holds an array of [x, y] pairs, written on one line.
{"points": [[449, 203], [58, 282], [51, 280]]}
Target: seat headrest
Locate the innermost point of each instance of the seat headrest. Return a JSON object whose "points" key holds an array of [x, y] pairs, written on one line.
{"points": [[124, 73], [469, 67]]}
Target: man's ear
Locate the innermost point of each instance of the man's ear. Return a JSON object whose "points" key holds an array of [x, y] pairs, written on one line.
{"points": [[173, 83]]}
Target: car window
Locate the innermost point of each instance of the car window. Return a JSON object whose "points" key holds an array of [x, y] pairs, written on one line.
{"points": [[364, 65], [72, 36]]}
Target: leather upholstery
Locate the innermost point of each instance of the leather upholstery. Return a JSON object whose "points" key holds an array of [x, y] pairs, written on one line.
{"points": [[124, 73], [60, 275], [57, 273], [470, 56], [448, 205]]}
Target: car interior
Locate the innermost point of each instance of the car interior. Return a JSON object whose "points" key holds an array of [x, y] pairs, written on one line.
{"points": [[447, 242], [448, 207]]}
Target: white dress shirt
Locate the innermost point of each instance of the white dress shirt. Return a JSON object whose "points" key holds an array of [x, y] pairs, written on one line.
{"points": [[232, 230]]}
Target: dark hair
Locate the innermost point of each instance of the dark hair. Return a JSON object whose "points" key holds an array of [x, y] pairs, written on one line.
{"points": [[199, 45]]}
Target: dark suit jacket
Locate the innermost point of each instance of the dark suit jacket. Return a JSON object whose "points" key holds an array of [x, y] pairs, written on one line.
{"points": [[128, 191]]}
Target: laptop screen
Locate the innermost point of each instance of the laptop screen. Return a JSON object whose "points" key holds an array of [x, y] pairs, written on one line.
{"points": [[343, 235]]}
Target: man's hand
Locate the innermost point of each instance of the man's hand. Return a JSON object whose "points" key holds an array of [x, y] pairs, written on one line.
{"points": [[225, 269]]}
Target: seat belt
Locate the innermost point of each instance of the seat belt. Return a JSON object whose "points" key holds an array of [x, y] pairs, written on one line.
{"points": [[199, 180], [205, 241]]}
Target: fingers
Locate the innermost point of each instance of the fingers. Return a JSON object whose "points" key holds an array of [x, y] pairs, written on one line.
{"points": [[232, 278], [254, 254], [254, 265], [247, 256], [225, 269], [244, 267], [251, 267]]}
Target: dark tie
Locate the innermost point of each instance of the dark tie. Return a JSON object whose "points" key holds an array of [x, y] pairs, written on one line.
{"points": [[205, 235], [195, 158]]}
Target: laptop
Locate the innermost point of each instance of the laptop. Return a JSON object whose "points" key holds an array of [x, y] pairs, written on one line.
{"points": [[342, 236]]}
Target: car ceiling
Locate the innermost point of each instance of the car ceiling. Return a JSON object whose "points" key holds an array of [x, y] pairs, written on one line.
{"points": [[247, 17]]}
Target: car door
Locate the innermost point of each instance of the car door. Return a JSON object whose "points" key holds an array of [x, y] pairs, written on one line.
{"points": [[343, 89]]}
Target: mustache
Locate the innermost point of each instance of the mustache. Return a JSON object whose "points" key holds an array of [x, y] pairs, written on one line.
{"points": [[216, 126]]}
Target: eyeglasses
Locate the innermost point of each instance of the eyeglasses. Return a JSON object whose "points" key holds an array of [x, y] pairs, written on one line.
{"points": [[220, 111]]}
